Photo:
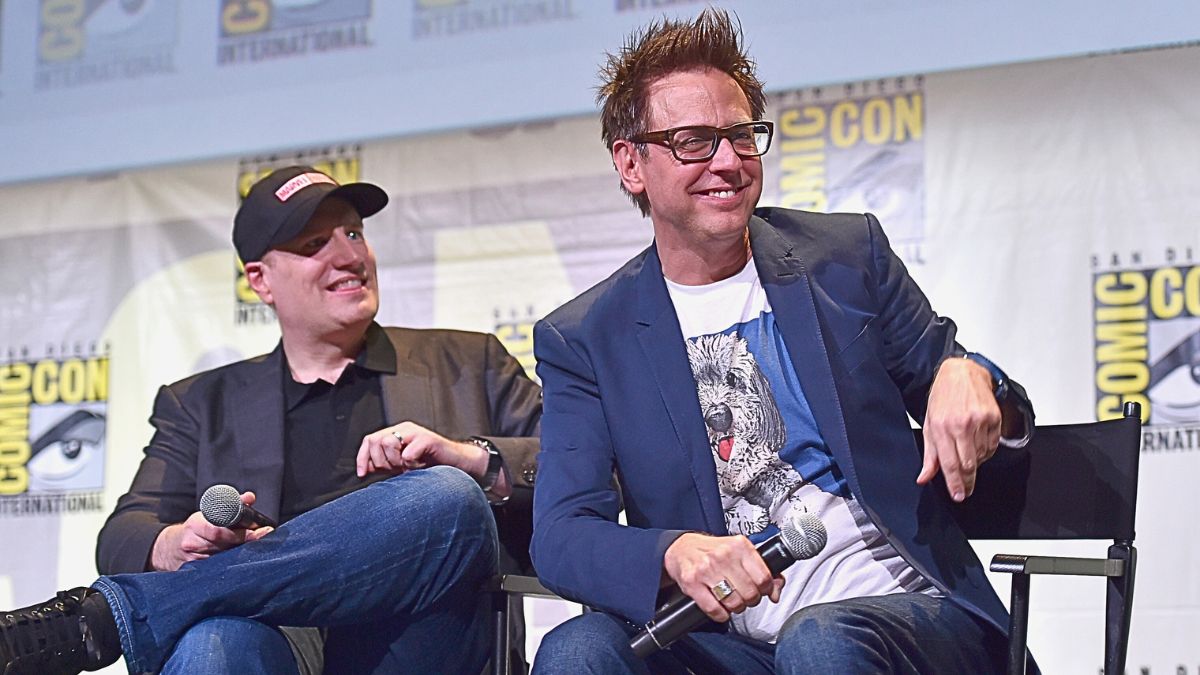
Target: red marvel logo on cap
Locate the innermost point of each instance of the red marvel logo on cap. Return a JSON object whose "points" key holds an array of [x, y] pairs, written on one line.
{"points": [[299, 182]]}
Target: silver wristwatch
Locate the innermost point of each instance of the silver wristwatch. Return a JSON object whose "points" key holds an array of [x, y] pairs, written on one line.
{"points": [[494, 466]]}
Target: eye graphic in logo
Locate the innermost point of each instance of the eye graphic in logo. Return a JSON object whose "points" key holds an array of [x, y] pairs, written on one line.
{"points": [[68, 449], [1175, 382], [888, 184]]}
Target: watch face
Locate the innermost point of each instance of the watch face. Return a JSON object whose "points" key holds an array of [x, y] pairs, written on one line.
{"points": [[494, 465]]}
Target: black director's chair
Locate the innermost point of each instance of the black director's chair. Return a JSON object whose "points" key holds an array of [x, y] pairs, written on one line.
{"points": [[1072, 481]]}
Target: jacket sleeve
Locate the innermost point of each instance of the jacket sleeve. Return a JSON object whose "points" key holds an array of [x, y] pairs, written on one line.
{"points": [[163, 491], [515, 411], [916, 339], [579, 549]]}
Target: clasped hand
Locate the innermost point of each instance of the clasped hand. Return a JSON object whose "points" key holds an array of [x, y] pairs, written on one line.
{"points": [[408, 446]]}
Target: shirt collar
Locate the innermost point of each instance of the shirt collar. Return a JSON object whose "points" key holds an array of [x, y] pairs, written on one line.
{"points": [[378, 353], [377, 357]]}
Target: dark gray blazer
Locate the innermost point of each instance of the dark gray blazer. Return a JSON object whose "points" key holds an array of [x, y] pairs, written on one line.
{"points": [[226, 426]]}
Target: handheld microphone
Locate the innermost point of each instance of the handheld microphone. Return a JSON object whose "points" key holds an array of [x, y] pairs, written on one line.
{"points": [[222, 506], [803, 538]]}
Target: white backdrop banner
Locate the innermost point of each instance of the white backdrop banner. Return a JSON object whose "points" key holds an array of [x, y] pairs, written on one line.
{"points": [[1049, 207], [104, 85]]}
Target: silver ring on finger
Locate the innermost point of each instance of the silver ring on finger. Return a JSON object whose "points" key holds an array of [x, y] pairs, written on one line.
{"points": [[399, 436], [722, 589]]}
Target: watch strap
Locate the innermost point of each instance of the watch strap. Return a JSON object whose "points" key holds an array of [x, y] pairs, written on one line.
{"points": [[494, 466], [999, 379]]}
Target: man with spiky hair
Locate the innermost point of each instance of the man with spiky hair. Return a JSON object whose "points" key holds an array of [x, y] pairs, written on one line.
{"points": [[751, 366]]}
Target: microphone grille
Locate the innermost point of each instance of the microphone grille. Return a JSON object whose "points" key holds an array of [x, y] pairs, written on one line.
{"points": [[804, 537], [221, 505]]}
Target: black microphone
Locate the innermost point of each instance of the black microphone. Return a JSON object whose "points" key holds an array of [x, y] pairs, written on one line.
{"points": [[222, 506], [803, 538]]}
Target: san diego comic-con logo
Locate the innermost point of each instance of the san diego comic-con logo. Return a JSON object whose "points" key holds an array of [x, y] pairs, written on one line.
{"points": [[89, 41], [1147, 344], [343, 163], [53, 417], [857, 148], [453, 18], [261, 30]]}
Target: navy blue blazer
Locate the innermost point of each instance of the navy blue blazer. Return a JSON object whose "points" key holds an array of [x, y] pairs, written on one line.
{"points": [[619, 394]]}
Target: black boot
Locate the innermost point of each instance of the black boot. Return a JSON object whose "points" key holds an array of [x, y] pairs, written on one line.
{"points": [[72, 632]]}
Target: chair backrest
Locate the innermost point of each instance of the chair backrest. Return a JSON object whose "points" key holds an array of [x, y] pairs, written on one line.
{"points": [[1072, 481]]}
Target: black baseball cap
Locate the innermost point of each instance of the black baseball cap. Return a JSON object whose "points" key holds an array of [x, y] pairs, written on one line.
{"points": [[279, 206]]}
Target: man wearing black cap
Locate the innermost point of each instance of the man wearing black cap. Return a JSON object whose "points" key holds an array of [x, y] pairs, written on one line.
{"points": [[378, 579]]}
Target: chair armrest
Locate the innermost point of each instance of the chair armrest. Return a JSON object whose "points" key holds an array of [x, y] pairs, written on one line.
{"points": [[522, 585], [1036, 564]]}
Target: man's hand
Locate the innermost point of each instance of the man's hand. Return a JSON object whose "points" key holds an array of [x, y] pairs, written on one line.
{"points": [[697, 562], [197, 539], [407, 446], [962, 425]]}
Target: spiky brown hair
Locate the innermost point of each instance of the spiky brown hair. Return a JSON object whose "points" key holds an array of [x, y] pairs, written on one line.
{"points": [[712, 40]]}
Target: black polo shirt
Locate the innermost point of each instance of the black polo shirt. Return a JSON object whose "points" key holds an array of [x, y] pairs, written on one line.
{"points": [[324, 424]]}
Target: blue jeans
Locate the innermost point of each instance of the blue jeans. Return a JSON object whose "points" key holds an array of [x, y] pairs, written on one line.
{"points": [[393, 570], [227, 644], [900, 633]]}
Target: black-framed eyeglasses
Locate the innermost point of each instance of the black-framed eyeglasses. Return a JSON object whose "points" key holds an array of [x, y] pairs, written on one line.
{"points": [[699, 143]]}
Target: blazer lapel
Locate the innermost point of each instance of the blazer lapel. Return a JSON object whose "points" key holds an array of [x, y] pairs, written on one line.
{"points": [[785, 278], [256, 408], [662, 344], [408, 395]]}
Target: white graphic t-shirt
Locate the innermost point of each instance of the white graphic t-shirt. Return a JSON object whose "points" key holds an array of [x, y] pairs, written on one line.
{"points": [[770, 457]]}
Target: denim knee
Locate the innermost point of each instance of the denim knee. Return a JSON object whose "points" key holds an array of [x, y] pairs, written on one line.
{"points": [[439, 495], [454, 492], [454, 500], [826, 633], [437, 509], [227, 644], [592, 643]]}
